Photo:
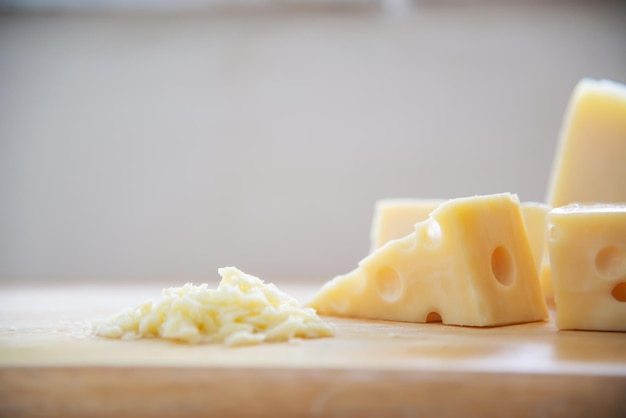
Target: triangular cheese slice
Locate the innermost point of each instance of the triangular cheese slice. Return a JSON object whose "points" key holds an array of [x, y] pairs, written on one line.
{"points": [[589, 163], [469, 263]]}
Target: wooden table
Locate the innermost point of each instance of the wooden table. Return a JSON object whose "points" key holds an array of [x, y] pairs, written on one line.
{"points": [[50, 365]]}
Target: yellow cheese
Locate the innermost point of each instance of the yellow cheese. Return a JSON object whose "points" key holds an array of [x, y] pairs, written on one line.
{"points": [[469, 263], [242, 310], [545, 278], [396, 218], [535, 219], [588, 260], [589, 164]]}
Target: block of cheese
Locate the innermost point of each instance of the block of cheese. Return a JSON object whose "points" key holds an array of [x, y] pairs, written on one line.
{"points": [[242, 310], [589, 165], [545, 277], [588, 260], [396, 218], [535, 218], [469, 263]]}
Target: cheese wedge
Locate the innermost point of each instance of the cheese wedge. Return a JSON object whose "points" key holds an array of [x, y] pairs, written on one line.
{"points": [[396, 218], [589, 166], [469, 263], [588, 259]]}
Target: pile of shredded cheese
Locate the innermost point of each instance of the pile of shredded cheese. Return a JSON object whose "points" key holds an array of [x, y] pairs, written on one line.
{"points": [[242, 310]]}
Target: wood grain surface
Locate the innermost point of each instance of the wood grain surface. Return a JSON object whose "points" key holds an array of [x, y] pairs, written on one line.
{"points": [[51, 365]]}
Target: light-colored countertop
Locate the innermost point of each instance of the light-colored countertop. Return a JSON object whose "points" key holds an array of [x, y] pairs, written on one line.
{"points": [[370, 368]]}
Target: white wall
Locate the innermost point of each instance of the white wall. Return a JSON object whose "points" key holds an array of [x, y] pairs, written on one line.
{"points": [[165, 146]]}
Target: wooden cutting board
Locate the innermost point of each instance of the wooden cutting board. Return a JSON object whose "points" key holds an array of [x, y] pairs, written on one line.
{"points": [[51, 365]]}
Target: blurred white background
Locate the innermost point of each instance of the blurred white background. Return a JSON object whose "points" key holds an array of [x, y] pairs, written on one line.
{"points": [[140, 144]]}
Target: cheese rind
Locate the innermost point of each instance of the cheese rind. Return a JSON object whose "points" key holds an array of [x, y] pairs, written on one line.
{"points": [[589, 165], [588, 261], [470, 263], [242, 310]]}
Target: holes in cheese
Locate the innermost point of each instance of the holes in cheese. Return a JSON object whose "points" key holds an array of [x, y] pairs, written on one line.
{"points": [[242, 310], [470, 262], [619, 292], [553, 232], [611, 262], [502, 266], [588, 262], [432, 234], [389, 284], [433, 317]]}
